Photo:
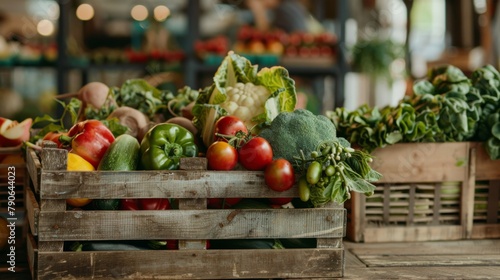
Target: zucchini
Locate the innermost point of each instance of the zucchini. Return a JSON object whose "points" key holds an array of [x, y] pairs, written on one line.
{"points": [[122, 154]]}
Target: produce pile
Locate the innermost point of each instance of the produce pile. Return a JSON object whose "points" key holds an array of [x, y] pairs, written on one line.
{"points": [[446, 106], [245, 120]]}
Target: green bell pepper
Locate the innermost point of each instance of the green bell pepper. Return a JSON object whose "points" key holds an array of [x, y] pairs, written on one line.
{"points": [[164, 145]]}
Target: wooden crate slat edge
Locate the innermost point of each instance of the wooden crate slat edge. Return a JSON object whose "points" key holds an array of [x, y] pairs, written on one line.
{"points": [[203, 264], [191, 224], [169, 184]]}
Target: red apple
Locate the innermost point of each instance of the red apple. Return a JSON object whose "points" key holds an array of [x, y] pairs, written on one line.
{"points": [[13, 133]]}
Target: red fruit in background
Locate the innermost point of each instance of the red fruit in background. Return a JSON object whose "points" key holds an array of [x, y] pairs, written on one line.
{"points": [[219, 203], [13, 133], [291, 51], [326, 51], [280, 200], [307, 38], [305, 52], [295, 39], [314, 51]]}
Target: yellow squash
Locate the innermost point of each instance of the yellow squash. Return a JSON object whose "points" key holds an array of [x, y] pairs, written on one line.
{"points": [[77, 163]]}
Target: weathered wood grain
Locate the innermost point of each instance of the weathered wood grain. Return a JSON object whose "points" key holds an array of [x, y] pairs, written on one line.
{"points": [[413, 233], [168, 184], [430, 260], [458, 247], [486, 168], [193, 264], [32, 211], [191, 224], [34, 168], [423, 273], [32, 255], [411, 162]]}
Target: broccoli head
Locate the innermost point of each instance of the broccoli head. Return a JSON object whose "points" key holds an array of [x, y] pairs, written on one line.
{"points": [[291, 132]]}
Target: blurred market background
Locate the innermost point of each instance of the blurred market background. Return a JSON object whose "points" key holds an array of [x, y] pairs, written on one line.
{"points": [[350, 53]]}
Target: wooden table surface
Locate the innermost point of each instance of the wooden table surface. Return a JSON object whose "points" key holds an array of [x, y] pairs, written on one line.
{"points": [[471, 259], [466, 259]]}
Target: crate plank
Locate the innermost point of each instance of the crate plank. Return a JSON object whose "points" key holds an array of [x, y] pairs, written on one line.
{"points": [[385, 260], [34, 168], [410, 162], [191, 224], [486, 168], [32, 255], [169, 184], [193, 264], [32, 211], [414, 233]]}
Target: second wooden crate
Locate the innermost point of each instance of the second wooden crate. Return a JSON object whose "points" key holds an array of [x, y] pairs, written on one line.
{"points": [[485, 204], [422, 195]]}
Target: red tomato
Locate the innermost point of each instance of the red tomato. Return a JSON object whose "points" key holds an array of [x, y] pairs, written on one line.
{"points": [[280, 200], [219, 203], [279, 175], [229, 125], [221, 156], [255, 154]]}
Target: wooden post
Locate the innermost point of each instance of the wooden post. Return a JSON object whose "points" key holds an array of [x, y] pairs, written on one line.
{"points": [[52, 159], [193, 203]]}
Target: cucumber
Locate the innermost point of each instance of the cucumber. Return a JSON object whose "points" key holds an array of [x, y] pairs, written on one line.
{"points": [[106, 204], [108, 246], [122, 154]]}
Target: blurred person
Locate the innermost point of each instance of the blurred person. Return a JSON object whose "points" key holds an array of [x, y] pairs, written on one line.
{"points": [[289, 15]]}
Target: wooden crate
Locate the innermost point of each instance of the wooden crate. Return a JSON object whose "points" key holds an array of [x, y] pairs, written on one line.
{"points": [[485, 204], [51, 224], [422, 195], [12, 159]]}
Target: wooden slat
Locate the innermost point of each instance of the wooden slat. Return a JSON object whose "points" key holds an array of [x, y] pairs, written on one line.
{"points": [[423, 273], [191, 224], [193, 264], [486, 169], [409, 162], [467, 195], [34, 168], [430, 260], [169, 184], [458, 247], [32, 211], [493, 201], [192, 204], [485, 231], [32, 255], [51, 159], [414, 233]]}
